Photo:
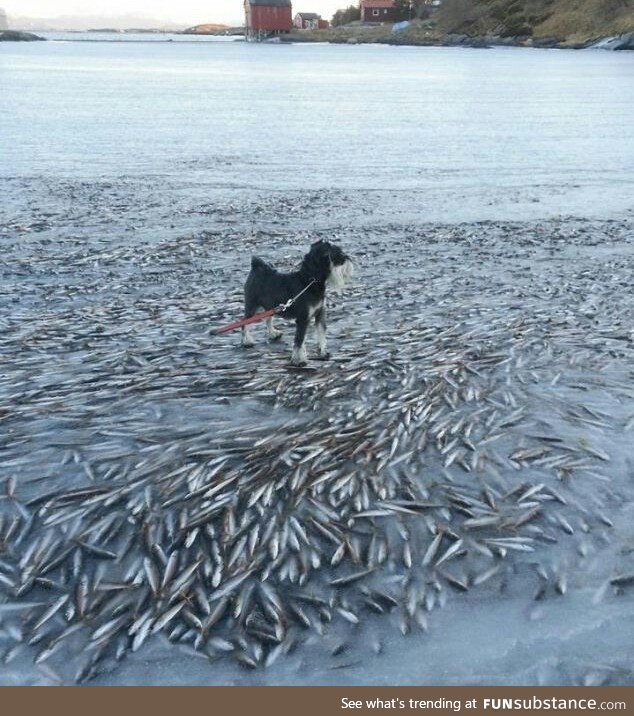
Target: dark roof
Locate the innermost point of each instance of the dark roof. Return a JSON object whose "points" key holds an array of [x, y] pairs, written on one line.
{"points": [[309, 15], [271, 3]]}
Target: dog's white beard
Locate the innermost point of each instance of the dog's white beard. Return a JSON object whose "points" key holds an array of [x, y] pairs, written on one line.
{"points": [[340, 276]]}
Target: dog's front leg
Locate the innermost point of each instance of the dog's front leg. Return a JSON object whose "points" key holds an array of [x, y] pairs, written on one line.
{"points": [[320, 333], [299, 350]]}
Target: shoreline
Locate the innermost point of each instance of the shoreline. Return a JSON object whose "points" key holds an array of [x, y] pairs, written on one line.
{"points": [[414, 37]]}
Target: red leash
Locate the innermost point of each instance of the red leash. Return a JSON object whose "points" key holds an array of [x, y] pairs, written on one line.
{"points": [[245, 321], [262, 315]]}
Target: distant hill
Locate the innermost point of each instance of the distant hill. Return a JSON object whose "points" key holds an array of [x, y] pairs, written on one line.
{"points": [[563, 19], [86, 22]]}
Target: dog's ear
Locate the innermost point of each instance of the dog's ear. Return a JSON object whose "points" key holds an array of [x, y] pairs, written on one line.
{"points": [[321, 247], [318, 258], [320, 250]]}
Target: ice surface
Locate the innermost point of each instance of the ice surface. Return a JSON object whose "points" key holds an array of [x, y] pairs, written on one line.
{"points": [[486, 194]]}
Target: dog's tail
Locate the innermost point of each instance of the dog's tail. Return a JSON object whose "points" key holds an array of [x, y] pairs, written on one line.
{"points": [[257, 263]]}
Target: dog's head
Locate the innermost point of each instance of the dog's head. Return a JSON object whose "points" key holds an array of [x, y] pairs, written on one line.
{"points": [[330, 264]]}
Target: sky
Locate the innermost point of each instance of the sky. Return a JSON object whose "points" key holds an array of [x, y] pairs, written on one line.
{"points": [[179, 11]]}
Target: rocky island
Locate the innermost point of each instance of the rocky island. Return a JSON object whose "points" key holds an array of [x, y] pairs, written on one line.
{"points": [[19, 36], [213, 29]]}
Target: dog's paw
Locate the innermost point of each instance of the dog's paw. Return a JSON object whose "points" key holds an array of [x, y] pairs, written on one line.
{"points": [[275, 336], [248, 344], [322, 356], [299, 357]]}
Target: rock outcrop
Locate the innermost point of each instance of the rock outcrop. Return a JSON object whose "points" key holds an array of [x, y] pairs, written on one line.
{"points": [[620, 42]]}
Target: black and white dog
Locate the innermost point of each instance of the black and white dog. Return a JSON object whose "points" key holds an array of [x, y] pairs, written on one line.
{"points": [[325, 265]]}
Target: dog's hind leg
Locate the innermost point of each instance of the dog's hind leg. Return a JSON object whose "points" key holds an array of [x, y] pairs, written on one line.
{"points": [[299, 356], [274, 334], [320, 334], [247, 338]]}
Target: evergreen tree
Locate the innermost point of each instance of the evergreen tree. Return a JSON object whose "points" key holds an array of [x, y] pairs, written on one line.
{"points": [[343, 17], [404, 10]]}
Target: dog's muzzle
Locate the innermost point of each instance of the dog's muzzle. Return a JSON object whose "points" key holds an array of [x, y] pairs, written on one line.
{"points": [[340, 275]]}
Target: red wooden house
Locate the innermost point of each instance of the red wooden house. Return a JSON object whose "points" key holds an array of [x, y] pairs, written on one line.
{"points": [[309, 21], [264, 18], [378, 11]]}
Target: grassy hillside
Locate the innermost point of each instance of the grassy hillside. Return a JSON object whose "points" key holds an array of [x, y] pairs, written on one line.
{"points": [[570, 20], [542, 23], [588, 17]]}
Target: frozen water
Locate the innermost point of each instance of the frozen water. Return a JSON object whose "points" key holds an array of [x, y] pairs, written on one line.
{"points": [[489, 190]]}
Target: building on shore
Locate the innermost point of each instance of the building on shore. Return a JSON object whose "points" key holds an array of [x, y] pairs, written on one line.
{"points": [[267, 18], [4, 23], [377, 11], [310, 21]]}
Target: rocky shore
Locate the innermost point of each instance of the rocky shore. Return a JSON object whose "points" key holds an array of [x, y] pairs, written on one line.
{"points": [[417, 36]]}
